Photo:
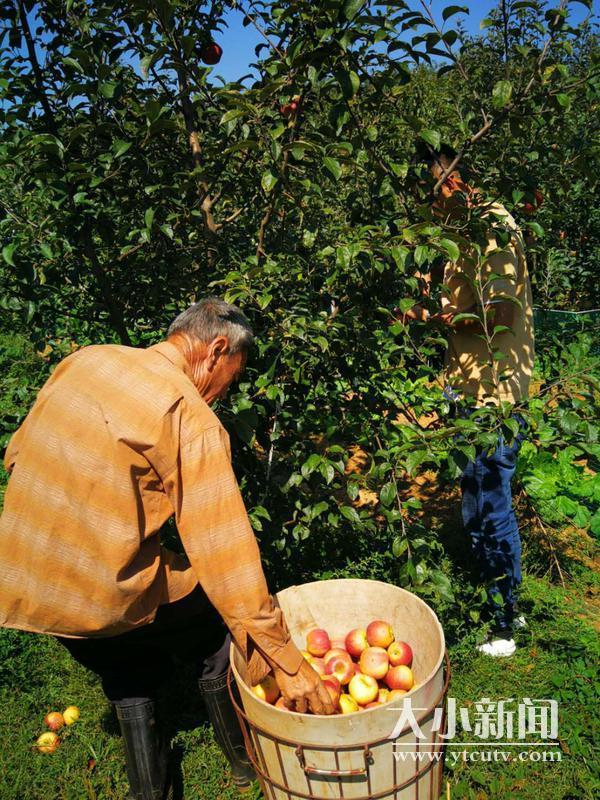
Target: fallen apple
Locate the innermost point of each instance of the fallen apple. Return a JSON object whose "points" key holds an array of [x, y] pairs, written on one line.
{"points": [[54, 720], [380, 634], [267, 689], [47, 742], [341, 666], [400, 653], [317, 642], [400, 677], [375, 662], [348, 704], [356, 642], [363, 688], [70, 715]]}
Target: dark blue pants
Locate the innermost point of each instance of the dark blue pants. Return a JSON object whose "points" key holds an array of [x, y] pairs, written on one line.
{"points": [[489, 519]]}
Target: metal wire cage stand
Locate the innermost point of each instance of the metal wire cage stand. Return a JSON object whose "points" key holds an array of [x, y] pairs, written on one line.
{"points": [[356, 783]]}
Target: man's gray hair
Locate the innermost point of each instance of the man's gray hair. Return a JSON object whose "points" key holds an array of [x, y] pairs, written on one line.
{"points": [[213, 317]]}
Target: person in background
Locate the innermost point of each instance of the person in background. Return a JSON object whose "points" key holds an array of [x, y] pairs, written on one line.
{"points": [[489, 360], [119, 440]]}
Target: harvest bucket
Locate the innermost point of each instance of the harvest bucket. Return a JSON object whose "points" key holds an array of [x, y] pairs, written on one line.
{"points": [[307, 757]]}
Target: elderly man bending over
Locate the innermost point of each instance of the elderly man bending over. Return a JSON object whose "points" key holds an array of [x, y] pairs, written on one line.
{"points": [[119, 440]]}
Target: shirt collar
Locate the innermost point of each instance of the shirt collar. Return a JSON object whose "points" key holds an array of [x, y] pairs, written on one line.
{"points": [[172, 354]]}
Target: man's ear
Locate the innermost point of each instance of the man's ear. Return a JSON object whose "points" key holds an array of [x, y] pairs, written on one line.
{"points": [[217, 348]]}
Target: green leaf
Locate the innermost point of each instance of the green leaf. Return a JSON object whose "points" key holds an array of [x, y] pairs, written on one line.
{"points": [[415, 459], [7, 254], [501, 94], [387, 495], [563, 100], [120, 146], [451, 248], [333, 166], [268, 181], [352, 7], [46, 251], [149, 217], [351, 515], [349, 83], [449, 11], [108, 89], [399, 546], [432, 137], [71, 62]]}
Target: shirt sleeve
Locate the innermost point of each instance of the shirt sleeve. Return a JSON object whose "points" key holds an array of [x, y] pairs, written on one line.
{"points": [[223, 551]]}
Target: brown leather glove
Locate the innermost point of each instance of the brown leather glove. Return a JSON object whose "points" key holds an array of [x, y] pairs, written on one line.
{"points": [[304, 690]]}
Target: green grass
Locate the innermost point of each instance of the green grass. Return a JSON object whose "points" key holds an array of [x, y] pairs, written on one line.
{"points": [[556, 658]]}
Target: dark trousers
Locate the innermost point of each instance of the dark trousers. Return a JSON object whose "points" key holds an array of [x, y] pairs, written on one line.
{"points": [[489, 519], [131, 666]]}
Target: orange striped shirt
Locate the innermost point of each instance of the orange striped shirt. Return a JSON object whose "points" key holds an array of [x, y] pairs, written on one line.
{"points": [[117, 442]]}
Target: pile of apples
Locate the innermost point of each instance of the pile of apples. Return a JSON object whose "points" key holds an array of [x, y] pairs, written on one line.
{"points": [[364, 670], [50, 740]]}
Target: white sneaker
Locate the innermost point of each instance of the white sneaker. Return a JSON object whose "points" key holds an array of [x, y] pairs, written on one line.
{"points": [[519, 623], [498, 648]]}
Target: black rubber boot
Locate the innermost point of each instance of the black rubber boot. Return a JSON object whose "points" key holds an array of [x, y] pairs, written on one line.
{"points": [[226, 726], [146, 754]]}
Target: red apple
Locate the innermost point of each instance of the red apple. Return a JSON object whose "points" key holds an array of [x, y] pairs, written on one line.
{"points": [[357, 669], [317, 642], [400, 653], [267, 689], [334, 687], [400, 677], [356, 642], [395, 694], [71, 715], [333, 653], [380, 634], [54, 720], [289, 109], [531, 208], [374, 704], [364, 689], [211, 53], [47, 742], [375, 662], [341, 666], [348, 704], [338, 644]]}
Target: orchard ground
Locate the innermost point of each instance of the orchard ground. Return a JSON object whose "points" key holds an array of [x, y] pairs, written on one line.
{"points": [[555, 659]]}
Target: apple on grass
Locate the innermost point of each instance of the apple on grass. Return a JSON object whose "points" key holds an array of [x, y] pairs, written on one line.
{"points": [[317, 642], [70, 715], [348, 704], [356, 642], [400, 653], [341, 666], [364, 689], [267, 689], [47, 742], [400, 677], [380, 634], [54, 720], [374, 661]]}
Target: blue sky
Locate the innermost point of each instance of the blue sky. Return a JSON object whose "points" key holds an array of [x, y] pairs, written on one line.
{"points": [[238, 42]]}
